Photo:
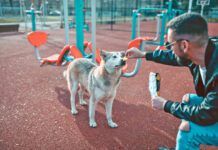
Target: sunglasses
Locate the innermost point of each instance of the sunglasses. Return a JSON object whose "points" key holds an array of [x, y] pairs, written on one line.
{"points": [[169, 45]]}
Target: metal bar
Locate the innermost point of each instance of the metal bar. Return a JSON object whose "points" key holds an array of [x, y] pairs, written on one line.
{"points": [[93, 12], [134, 24], [137, 65], [1, 14], [79, 4], [158, 26], [149, 9], [112, 13], [38, 57], [202, 10], [163, 28], [66, 24], [190, 6], [33, 19], [139, 27]]}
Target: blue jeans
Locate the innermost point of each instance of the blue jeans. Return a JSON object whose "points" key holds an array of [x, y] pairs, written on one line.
{"points": [[197, 135]]}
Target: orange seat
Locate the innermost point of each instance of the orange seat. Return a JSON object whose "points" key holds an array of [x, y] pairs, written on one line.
{"points": [[135, 43], [37, 38], [50, 60], [148, 38], [63, 52], [138, 41], [56, 58], [97, 55], [75, 52]]}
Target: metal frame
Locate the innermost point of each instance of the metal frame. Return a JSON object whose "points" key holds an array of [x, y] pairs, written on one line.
{"points": [[203, 3], [79, 32]]}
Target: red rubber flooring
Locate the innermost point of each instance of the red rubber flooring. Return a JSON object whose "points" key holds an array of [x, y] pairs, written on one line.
{"points": [[35, 102]]}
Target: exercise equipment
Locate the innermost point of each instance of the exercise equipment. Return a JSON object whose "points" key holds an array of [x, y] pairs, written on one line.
{"points": [[37, 13], [67, 54], [162, 19]]}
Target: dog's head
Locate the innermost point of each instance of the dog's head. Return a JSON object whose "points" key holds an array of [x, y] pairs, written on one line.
{"points": [[113, 60]]}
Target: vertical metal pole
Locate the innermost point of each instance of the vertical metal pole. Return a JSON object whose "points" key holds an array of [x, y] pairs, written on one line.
{"points": [[66, 24], [33, 19], [125, 8], [163, 28], [158, 28], [44, 12], [112, 13], [21, 9], [190, 6], [162, 3], [1, 14], [93, 9], [170, 12], [101, 8], [136, 4], [139, 27], [134, 24], [202, 10], [79, 4]]}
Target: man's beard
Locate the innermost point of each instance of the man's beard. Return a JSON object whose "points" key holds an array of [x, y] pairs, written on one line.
{"points": [[183, 61]]}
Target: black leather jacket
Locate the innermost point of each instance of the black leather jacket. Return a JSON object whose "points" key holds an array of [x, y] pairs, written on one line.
{"points": [[207, 112]]}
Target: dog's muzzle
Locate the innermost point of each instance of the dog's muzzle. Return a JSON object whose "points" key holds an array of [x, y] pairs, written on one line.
{"points": [[123, 62]]}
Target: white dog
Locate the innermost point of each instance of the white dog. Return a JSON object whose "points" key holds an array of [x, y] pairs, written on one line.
{"points": [[101, 82]]}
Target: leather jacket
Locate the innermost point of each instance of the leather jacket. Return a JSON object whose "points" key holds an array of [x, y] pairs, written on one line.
{"points": [[207, 112]]}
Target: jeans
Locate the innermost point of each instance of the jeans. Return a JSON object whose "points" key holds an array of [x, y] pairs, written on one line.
{"points": [[197, 135]]}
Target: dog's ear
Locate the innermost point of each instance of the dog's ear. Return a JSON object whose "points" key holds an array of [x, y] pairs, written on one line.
{"points": [[103, 54], [123, 53]]}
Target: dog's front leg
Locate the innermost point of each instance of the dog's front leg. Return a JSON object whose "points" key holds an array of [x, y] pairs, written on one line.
{"points": [[92, 105], [108, 107]]}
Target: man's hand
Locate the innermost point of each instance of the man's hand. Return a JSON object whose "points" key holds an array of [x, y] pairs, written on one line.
{"points": [[135, 53], [158, 102]]}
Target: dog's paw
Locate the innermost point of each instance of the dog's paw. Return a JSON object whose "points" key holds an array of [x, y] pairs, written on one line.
{"points": [[74, 112], [112, 124], [92, 124], [82, 102]]}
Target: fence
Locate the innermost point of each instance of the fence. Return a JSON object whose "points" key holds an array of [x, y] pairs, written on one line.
{"points": [[9, 11], [107, 11]]}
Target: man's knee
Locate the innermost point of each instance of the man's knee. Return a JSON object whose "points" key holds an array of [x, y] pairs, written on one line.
{"points": [[184, 126]]}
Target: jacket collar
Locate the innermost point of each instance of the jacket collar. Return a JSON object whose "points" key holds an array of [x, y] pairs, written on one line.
{"points": [[209, 51]]}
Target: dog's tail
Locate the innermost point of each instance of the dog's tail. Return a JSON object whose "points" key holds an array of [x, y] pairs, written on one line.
{"points": [[65, 74]]}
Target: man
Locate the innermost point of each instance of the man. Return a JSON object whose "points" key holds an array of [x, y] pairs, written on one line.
{"points": [[190, 47]]}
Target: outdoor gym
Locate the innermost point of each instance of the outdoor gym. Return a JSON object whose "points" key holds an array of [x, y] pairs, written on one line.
{"points": [[39, 38]]}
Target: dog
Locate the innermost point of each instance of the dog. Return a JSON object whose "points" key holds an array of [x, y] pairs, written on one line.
{"points": [[100, 81]]}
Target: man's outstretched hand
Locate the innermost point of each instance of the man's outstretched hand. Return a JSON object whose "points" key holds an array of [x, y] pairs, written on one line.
{"points": [[158, 102], [135, 53]]}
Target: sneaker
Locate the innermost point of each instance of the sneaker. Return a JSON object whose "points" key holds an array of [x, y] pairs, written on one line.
{"points": [[165, 148]]}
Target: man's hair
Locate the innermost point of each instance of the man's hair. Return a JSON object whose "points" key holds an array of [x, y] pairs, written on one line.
{"points": [[191, 24]]}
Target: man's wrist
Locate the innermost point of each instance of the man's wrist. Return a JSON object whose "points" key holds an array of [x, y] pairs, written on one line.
{"points": [[164, 103], [144, 54]]}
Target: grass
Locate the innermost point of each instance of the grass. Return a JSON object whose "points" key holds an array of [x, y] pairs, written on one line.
{"points": [[212, 19], [10, 20], [104, 20]]}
